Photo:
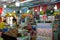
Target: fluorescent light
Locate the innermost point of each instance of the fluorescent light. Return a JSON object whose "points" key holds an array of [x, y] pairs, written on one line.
{"points": [[23, 2], [17, 4], [14, 0], [26, 1], [36, 10], [4, 6], [55, 7], [4, 0], [40, 8], [20, 11]]}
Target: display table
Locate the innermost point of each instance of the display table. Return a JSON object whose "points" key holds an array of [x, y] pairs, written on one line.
{"points": [[12, 32], [23, 38], [27, 37], [8, 37]]}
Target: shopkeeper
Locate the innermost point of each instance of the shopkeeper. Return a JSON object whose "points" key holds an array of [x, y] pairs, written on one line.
{"points": [[2, 24]]}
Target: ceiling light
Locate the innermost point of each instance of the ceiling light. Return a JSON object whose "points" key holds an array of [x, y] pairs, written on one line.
{"points": [[25, 1], [4, 6], [17, 4], [28, 0], [55, 7], [40, 8], [36, 10], [20, 11], [4, 0], [14, 0]]}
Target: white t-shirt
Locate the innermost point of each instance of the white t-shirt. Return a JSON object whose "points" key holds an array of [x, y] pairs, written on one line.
{"points": [[7, 20], [11, 20]]}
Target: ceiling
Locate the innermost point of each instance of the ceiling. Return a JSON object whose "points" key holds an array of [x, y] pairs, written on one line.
{"points": [[7, 2], [24, 3]]}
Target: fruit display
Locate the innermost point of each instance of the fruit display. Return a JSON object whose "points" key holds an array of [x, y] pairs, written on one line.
{"points": [[12, 32], [29, 19], [27, 15]]}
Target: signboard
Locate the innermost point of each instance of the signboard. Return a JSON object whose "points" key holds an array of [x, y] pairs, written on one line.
{"points": [[51, 18], [47, 18], [24, 10], [37, 9], [44, 31], [43, 17], [1, 9]]}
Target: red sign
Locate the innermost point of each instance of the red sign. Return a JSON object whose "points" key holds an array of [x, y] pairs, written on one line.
{"points": [[58, 5], [44, 17], [22, 0], [37, 9], [44, 8], [1, 9]]}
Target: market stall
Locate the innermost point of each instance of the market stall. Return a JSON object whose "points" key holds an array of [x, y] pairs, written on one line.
{"points": [[29, 20]]}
